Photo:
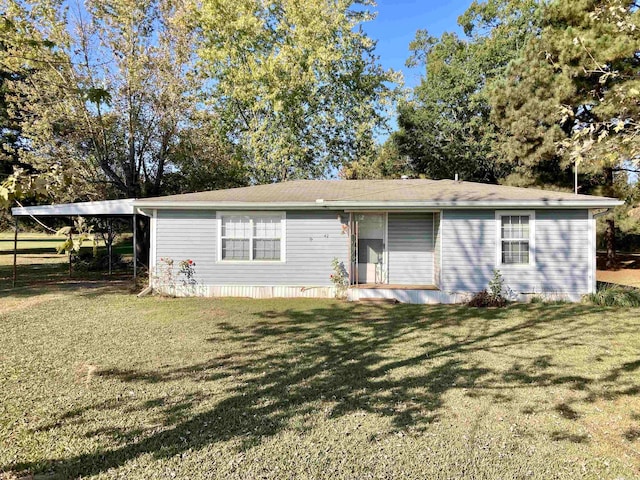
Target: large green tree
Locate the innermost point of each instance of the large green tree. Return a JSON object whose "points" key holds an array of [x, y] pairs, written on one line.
{"points": [[297, 84], [29, 62], [387, 162], [115, 93], [445, 126], [572, 100], [573, 95], [134, 94]]}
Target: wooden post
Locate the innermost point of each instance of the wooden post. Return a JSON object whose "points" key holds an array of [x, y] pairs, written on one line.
{"points": [[15, 254]]}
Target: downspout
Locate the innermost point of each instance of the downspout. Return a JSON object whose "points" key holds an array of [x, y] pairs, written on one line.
{"points": [[147, 290], [152, 255], [600, 212]]}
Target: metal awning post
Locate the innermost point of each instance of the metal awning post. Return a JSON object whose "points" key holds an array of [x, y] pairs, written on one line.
{"points": [[70, 245], [15, 253], [110, 240], [135, 246], [351, 252], [357, 267]]}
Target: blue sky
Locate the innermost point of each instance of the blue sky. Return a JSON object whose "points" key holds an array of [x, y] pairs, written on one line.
{"points": [[396, 25]]}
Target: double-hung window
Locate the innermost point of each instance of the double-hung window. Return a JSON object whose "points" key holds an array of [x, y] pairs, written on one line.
{"points": [[251, 237], [515, 238]]}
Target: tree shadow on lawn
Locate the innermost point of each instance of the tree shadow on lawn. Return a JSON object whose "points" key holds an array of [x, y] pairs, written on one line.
{"points": [[352, 357]]}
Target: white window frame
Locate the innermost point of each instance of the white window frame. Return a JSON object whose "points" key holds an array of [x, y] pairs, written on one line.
{"points": [[532, 235], [251, 215]]}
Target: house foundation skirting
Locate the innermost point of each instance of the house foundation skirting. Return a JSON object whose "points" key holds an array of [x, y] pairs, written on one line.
{"points": [[401, 295], [247, 291]]}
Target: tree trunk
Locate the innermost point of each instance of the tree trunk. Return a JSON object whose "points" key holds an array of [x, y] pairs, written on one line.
{"points": [[610, 232], [608, 181], [143, 240], [610, 239]]}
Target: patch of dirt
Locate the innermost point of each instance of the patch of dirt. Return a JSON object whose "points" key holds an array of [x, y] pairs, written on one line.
{"points": [[13, 304], [27, 297], [614, 430], [627, 273]]}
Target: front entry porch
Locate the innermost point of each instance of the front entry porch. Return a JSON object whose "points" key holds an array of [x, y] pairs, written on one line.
{"points": [[395, 251], [429, 294], [387, 286]]}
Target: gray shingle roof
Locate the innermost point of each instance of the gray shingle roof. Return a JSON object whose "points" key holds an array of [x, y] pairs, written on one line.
{"points": [[362, 191]]}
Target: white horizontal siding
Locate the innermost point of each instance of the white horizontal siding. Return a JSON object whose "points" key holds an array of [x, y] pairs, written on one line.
{"points": [[313, 239], [468, 249], [437, 244], [561, 253], [468, 240]]}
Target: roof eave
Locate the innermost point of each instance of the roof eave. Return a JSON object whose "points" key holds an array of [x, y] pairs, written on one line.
{"points": [[380, 205]]}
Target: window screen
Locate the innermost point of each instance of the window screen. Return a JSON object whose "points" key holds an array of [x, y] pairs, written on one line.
{"points": [[515, 239], [251, 237], [370, 250]]}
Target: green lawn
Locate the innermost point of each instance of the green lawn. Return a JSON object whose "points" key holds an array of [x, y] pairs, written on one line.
{"points": [[96, 382]]}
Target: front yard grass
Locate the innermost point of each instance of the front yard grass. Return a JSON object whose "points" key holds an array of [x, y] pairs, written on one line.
{"points": [[101, 384]]}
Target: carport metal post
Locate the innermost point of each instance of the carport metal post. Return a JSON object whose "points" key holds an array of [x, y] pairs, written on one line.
{"points": [[135, 246], [71, 247], [110, 242], [15, 254]]}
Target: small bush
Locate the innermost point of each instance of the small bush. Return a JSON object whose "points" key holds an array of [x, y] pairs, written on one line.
{"points": [[485, 299], [86, 261], [614, 296], [167, 282], [493, 297], [496, 286], [340, 278]]}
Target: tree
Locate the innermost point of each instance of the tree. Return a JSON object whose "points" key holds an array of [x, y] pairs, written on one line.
{"points": [[9, 123], [297, 85], [203, 160], [386, 163], [571, 94], [28, 57], [571, 98], [444, 126], [116, 91]]}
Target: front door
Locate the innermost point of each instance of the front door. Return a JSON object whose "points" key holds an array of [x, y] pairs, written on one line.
{"points": [[370, 255]]}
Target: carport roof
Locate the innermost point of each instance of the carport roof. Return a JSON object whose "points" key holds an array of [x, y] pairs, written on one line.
{"points": [[106, 208]]}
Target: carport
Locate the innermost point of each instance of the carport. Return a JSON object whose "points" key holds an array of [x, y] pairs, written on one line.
{"points": [[105, 209]]}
